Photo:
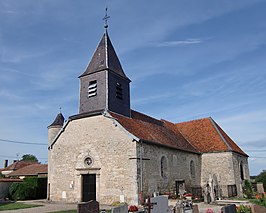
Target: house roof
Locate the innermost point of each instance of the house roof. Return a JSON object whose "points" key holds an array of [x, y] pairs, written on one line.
{"points": [[18, 165], [198, 136], [31, 170], [154, 131], [207, 136], [105, 58]]}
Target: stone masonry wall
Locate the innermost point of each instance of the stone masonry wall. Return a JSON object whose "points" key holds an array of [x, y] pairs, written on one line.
{"points": [[237, 160], [178, 168], [111, 149], [218, 166]]}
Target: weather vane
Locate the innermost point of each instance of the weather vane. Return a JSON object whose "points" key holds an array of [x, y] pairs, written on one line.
{"points": [[105, 18]]}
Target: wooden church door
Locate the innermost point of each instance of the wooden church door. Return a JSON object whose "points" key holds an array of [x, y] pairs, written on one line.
{"points": [[88, 187]]}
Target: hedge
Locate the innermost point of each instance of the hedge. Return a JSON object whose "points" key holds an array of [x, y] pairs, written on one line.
{"points": [[30, 188]]}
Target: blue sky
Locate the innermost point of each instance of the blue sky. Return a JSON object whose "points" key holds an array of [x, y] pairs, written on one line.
{"points": [[187, 60]]}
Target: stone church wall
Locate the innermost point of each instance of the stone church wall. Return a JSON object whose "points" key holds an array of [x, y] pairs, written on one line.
{"points": [[222, 169], [177, 169], [239, 160], [113, 154]]}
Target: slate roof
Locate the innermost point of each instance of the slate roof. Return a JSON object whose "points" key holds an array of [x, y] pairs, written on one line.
{"points": [[18, 165], [31, 170], [207, 136], [105, 58], [59, 120], [151, 130], [198, 136]]}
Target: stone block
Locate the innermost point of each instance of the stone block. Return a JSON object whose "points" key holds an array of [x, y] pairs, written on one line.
{"points": [[88, 207], [120, 209], [258, 209], [195, 209], [160, 204], [229, 209]]}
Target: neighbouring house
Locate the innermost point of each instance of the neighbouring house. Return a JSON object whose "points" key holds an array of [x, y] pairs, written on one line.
{"points": [[32, 170], [16, 166], [109, 152]]}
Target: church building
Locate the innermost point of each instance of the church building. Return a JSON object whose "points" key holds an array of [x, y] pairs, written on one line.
{"points": [[109, 152]]}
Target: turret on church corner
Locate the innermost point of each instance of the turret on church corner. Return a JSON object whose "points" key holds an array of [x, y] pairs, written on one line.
{"points": [[55, 127], [104, 85]]}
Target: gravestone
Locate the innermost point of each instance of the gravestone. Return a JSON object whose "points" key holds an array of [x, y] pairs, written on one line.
{"points": [[160, 204], [229, 209], [195, 209], [258, 209], [260, 188], [120, 209], [88, 207]]}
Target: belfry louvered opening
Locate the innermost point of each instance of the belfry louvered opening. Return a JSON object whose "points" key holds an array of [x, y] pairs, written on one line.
{"points": [[92, 89], [119, 91]]}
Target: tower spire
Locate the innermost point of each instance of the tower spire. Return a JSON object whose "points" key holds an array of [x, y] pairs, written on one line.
{"points": [[105, 18]]}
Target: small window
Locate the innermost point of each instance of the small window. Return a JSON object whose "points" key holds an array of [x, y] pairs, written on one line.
{"points": [[119, 91], [192, 169], [241, 171], [163, 167], [92, 89]]}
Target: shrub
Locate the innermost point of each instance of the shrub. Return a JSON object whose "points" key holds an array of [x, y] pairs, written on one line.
{"points": [[247, 189], [30, 188], [243, 209]]}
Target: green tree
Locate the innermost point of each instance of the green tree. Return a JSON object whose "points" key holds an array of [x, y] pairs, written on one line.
{"points": [[262, 178], [29, 157]]}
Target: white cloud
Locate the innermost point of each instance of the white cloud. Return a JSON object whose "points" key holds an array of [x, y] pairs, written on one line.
{"points": [[188, 41]]}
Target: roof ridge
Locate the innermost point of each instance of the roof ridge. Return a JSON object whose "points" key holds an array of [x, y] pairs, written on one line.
{"points": [[220, 134], [199, 119]]}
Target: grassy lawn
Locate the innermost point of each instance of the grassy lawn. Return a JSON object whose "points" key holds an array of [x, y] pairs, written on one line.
{"points": [[13, 206]]}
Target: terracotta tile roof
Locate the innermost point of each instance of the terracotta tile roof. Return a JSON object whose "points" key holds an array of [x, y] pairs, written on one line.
{"points": [[154, 131], [207, 136], [17, 165], [31, 170]]}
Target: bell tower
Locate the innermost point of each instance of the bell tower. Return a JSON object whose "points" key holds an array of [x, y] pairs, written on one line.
{"points": [[104, 85]]}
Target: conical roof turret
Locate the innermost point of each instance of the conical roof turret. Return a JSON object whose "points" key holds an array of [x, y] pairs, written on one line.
{"points": [[59, 120]]}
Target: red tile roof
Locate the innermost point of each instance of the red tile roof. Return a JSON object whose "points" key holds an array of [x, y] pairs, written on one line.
{"points": [[31, 170], [207, 136], [17, 165], [199, 136], [154, 131]]}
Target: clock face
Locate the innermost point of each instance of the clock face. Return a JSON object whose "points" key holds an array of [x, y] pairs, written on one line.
{"points": [[88, 161]]}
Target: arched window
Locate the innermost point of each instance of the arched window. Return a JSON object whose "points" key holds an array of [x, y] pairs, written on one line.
{"points": [[241, 171], [192, 169], [163, 166]]}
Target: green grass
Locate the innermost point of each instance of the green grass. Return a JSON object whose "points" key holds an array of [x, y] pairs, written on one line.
{"points": [[13, 206]]}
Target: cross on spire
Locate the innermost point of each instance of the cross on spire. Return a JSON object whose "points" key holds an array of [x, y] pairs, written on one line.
{"points": [[105, 18]]}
